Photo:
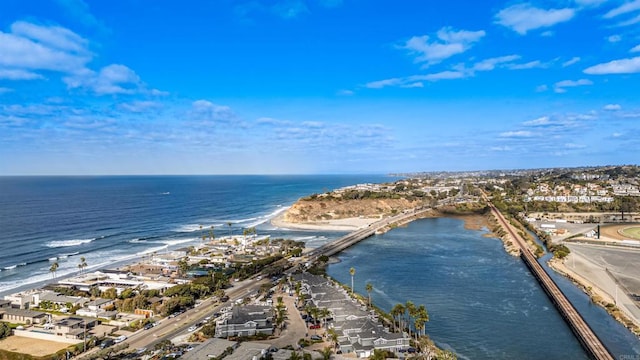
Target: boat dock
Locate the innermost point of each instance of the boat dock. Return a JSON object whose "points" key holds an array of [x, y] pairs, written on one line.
{"points": [[590, 342]]}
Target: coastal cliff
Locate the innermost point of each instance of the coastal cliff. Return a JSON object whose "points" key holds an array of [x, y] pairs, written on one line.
{"points": [[307, 210]]}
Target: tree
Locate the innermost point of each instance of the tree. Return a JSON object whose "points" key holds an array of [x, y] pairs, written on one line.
{"points": [[352, 272], [326, 353], [410, 311], [397, 312], [369, 288], [5, 330], [295, 356], [83, 264], [211, 236], [54, 267], [229, 225], [422, 316]]}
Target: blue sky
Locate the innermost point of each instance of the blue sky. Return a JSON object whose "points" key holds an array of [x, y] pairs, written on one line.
{"points": [[316, 86]]}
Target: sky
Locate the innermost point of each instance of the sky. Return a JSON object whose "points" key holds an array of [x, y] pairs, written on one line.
{"points": [[316, 86]]}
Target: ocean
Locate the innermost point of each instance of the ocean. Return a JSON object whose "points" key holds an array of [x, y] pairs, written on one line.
{"points": [[111, 219]]}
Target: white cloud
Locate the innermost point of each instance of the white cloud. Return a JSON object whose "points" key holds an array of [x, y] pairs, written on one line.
{"points": [[383, 83], [560, 86], [449, 42], [574, 146], [417, 84], [5, 90], [623, 9], [19, 74], [443, 75], [36, 47], [541, 121], [140, 106], [631, 21], [635, 49], [492, 63], [612, 107], [111, 79], [542, 88], [524, 17], [530, 65], [53, 36], [345, 92], [571, 62], [590, 3], [290, 9], [415, 81], [516, 134], [621, 66], [614, 38], [206, 111]]}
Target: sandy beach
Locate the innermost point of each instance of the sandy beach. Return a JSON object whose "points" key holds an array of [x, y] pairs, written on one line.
{"points": [[347, 224]]}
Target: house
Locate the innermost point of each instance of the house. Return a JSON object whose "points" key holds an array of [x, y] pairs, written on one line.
{"points": [[58, 300], [5, 304], [246, 320], [73, 327], [96, 308], [22, 316]]}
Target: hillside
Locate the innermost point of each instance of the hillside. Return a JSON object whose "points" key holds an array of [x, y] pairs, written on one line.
{"points": [[330, 209]]}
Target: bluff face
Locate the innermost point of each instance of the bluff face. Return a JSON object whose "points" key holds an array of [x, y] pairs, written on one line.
{"points": [[319, 209]]}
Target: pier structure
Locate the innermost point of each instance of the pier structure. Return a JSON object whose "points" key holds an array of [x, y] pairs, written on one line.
{"points": [[585, 335]]}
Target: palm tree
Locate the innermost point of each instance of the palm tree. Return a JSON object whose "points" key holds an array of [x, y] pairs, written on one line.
{"points": [[295, 356], [369, 288], [54, 267], [396, 313], [410, 313], [211, 237], [83, 264], [352, 272], [422, 318]]}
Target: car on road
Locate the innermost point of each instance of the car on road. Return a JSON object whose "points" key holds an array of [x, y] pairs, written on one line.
{"points": [[120, 339], [148, 326], [192, 328], [316, 337], [106, 343]]}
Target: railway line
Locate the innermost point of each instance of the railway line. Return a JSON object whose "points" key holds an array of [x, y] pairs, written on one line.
{"points": [[588, 339]]}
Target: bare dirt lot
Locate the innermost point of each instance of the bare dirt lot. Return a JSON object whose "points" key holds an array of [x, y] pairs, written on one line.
{"points": [[31, 346]]}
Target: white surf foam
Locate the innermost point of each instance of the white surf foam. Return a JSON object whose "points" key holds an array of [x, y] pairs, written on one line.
{"points": [[67, 243]]}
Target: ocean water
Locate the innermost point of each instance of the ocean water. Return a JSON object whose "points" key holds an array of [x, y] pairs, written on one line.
{"points": [[110, 219], [483, 303]]}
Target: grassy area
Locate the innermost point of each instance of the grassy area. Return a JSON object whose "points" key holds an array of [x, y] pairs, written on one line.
{"points": [[632, 232]]}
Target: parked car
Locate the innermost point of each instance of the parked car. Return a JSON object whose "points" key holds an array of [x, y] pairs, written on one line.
{"points": [[106, 343], [314, 326], [192, 328], [411, 350], [316, 337]]}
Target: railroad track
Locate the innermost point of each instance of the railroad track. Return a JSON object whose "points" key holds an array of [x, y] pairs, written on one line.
{"points": [[589, 340]]}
